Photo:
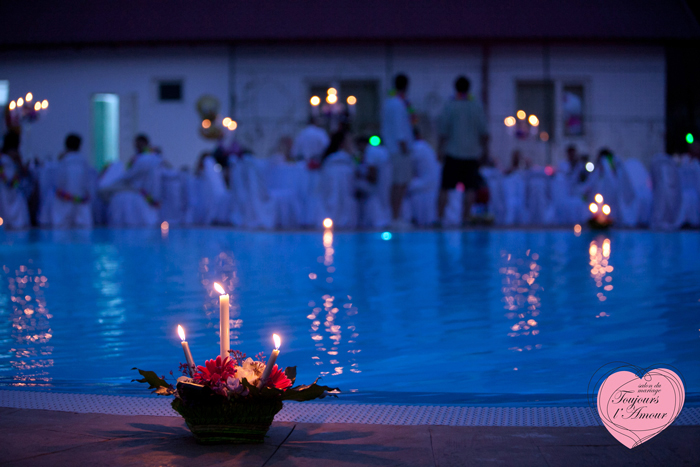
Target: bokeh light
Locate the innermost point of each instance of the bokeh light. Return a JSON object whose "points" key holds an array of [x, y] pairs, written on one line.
{"points": [[29, 97], [598, 198], [37, 106], [20, 102], [206, 123], [232, 125], [328, 222], [521, 114], [534, 121], [332, 98], [509, 121], [689, 138], [226, 121], [577, 229], [593, 207], [375, 140], [606, 209], [164, 226], [590, 166], [544, 136], [332, 91], [44, 104], [352, 100], [386, 235], [13, 105], [315, 100], [549, 170]]}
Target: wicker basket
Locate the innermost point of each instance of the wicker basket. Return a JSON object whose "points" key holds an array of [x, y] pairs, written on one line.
{"points": [[213, 419]]}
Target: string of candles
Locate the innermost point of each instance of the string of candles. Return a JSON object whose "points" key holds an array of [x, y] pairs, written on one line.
{"points": [[224, 345]]}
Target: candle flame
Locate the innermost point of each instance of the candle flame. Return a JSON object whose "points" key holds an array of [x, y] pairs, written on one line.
{"points": [[277, 340], [219, 289], [181, 332]]}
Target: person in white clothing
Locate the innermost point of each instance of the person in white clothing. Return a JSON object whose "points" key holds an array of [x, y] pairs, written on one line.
{"points": [[397, 131], [71, 201], [373, 184], [425, 185], [310, 143], [13, 203]]}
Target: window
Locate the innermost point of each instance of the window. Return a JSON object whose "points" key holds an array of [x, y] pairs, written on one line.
{"points": [[170, 91], [537, 98], [572, 110], [4, 92], [357, 103], [105, 129]]}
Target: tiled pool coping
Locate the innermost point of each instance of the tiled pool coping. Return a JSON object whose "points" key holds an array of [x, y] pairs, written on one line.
{"points": [[328, 412]]}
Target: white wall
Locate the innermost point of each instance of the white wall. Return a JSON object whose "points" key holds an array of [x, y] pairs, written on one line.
{"points": [[624, 89], [68, 79]]}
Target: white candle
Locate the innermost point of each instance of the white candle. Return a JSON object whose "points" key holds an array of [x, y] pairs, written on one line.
{"points": [[186, 349], [224, 336], [270, 361]]}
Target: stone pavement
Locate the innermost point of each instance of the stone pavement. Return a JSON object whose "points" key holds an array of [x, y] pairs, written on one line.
{"points": [[50, 438]]}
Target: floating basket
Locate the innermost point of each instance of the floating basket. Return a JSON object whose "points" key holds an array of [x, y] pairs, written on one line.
{"points": [[214, 419]]}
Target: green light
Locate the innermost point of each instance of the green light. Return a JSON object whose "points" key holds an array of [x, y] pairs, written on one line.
{"points": [[689, 138], [375, 140]]}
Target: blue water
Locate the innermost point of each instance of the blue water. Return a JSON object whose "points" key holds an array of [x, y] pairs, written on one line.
{"points": [[497, 317]]}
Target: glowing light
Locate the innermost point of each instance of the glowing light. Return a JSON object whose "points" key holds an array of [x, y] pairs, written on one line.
{"points": [[577, 228], [332, 98], [277, 340], [534, 121], [375, 140], [598, 198], [544, 136], [206, 123], [386, 235], [352, 100], [44, 104], [549, 170], [232, 125], [226, 121], [593, 250], [219, 289], [689, 138], [2, 221], [13, 105], [315, 101], [606, 209], [332, 91], [180, 332], [37, 106], [164, 226], [593, 208], [590, 166], [29, 97], [20, 102], [521, 114], [509, 121], [328, 222]]}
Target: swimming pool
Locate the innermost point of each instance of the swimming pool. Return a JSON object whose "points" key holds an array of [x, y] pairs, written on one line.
{"points": [[484, 317]]}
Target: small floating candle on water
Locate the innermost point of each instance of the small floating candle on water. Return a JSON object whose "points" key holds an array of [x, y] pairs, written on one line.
{"points": [[186, 348], [270, 361], [224, 341]]}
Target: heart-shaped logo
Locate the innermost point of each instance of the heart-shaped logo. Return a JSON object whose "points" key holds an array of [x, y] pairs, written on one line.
{"points": [[635, 409]]}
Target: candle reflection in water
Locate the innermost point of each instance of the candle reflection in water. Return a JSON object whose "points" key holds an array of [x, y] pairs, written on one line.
{"points": [[599, 252], [333, 321], [521, 298], [31, 330]]}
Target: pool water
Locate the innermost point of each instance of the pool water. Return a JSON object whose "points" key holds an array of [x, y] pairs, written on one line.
{"points": [[484, 317]]}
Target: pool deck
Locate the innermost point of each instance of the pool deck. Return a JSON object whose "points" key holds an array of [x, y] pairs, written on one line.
{"points": [[44, 437]]}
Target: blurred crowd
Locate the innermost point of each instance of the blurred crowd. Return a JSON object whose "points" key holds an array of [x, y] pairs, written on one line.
{"points": [[357, 180]]}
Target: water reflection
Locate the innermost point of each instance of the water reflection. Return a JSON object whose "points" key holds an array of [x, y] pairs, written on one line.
{"points": [[601, 269], [31, 330], [328, 322], [521, 298]]}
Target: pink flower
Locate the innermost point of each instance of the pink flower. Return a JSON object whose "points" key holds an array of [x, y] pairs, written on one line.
{"points": [[215, 373], [278, 379]]}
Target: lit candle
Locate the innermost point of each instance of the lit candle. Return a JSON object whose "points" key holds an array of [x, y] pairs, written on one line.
{"points": [[186, 349], [271, 361], [224, 342]]}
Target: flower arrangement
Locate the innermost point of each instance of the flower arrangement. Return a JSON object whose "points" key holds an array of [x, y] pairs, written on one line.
{"points": [[232, 399]]}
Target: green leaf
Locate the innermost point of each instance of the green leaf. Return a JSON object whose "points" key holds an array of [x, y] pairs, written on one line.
{"points": [[291, 372], [310, 392], [153, 380]]}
